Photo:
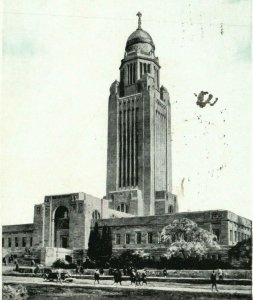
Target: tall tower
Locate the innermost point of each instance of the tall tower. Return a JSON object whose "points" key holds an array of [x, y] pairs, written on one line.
{"points": [[139, 179]]}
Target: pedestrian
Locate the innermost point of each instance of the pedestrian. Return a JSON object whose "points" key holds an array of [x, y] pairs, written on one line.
{"points": [[59, 275], [96, 276], [132, 276], [213, 281], [220, 274], [165, 273], [137, 278], [17, 265], [144, 277], [119, 276]]}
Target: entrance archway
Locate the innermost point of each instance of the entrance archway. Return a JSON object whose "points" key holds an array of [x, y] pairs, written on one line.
{"points": [[61, 227]]}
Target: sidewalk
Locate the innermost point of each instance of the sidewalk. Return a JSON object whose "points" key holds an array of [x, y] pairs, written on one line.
{"points": [[227, 292], [150, 279]]}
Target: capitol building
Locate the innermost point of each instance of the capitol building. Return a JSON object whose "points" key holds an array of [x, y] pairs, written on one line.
{"points": [[139, 201]]}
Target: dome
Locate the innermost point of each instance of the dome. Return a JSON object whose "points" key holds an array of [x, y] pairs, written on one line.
{"points": [[139, 36]]}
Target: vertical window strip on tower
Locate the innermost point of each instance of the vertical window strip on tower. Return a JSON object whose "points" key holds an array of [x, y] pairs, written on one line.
{"points": [[132, 146], [129, 147], [128, 74], [136, 146], [127, 141], [120, 146], [140, 69], [124, 148]]}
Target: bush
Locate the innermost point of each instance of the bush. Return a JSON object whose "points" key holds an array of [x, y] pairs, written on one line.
{"points": [[129, 259], [61, 264], [18, 292], [241, 254], [89, 264]]}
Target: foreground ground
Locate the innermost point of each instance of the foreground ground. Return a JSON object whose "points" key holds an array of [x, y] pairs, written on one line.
{"points": [[85, 289]]}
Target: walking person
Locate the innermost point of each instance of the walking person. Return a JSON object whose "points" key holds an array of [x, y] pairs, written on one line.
{"points": [[96, 276], [220, 274], [165, 273], [144, 277], [17, 265], [214, 281], [132, 276], [59, 275], [119, 276], [137, 278]]}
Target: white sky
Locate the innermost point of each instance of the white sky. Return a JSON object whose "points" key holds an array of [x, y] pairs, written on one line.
{"points": [[59, 59]]}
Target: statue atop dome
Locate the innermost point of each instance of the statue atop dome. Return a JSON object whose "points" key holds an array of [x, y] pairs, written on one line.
{"points": [[139, 15]]}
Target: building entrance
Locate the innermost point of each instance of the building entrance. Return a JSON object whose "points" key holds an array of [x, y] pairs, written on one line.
{"points": [[61, 225]]}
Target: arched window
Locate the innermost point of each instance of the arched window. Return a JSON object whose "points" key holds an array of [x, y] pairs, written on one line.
{"points": [[170, 209], [123, 208], [95, 215]]}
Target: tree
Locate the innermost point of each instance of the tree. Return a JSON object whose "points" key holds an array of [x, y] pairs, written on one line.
{"points": [[106, 243], [94, 244], [242, 252], [184, 238]]}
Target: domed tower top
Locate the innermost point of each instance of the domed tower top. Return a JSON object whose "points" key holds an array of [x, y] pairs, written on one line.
{"points": [[140, 41], [139, 60], [139, 36]]}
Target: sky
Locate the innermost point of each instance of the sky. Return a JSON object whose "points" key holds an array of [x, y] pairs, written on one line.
{"points": [[59, 59]]}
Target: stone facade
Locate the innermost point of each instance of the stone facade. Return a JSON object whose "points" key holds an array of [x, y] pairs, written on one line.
{"points": [[61, 226], [143, 233]]}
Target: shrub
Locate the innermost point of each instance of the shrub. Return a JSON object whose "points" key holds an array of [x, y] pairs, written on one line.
{"points": [[18, 292], [61, 264]]}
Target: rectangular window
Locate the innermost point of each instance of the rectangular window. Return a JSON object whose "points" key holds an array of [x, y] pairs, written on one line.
{"points": [[16, 241], [2, 242], [150, 237], [80, 207], [24, 241], [235, 236], [118, 238], [38, 210], [31, 241], [217, 233], [239, 237], [127, 238], [9, 242], [231, 236], [138, 237]]}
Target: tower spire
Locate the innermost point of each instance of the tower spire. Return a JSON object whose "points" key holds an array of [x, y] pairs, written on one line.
{"points": [[139, 19]]}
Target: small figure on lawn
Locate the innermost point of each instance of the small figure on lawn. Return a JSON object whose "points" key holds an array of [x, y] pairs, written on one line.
{"points": [[59, 275], [144, 277], [220, 274], [117, 276], [165, 273], [96, 276], [214, 281]]}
